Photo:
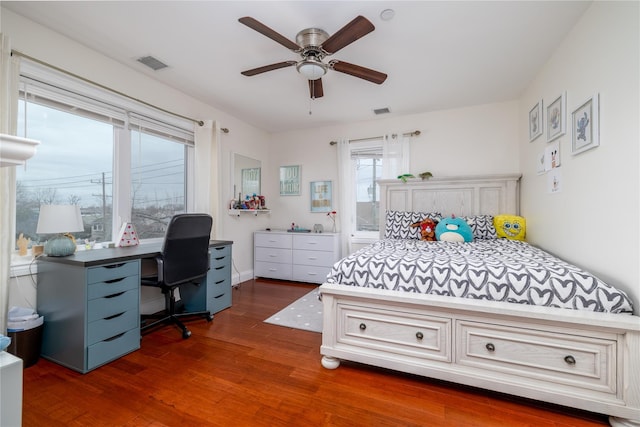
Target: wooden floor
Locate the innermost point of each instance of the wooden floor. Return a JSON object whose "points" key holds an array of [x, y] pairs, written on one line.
{"points": [[240, 371]]}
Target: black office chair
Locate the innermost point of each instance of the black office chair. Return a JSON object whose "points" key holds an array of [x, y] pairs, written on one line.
{"points": [[183, 261]]}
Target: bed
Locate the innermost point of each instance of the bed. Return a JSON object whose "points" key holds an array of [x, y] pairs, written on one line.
{"points": [[450, 312]]}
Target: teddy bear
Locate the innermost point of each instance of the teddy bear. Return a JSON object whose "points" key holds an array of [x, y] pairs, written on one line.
{"points": [[427, 229]]}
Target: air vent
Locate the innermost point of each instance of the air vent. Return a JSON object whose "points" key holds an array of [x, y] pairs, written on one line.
{"points": [[152, 63], [381, 111]]}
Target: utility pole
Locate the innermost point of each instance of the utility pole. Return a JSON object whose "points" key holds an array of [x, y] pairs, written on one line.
{"points": [[104, 202]]}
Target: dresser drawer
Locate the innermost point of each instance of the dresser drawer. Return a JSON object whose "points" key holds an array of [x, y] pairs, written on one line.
{"points": [[310, 273], [562, 358], [102, 289], [316, 242], [105, 273], [111, 326], [406, 334], [272, 240], [318, 258], [101, 308], [272, 270], [112, 348], [273, 255]]}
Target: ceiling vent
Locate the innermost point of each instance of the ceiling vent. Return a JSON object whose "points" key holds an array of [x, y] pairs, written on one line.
{"points": [[153, 63], [381, 111]]}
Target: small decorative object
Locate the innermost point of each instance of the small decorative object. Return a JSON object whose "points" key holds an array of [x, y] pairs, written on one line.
{"points": [[454, 229], [23, 244], [535, 121], [425, 175], [510, 226], [290, 180], [4, 342], [332, 216], [585, 124], [127, 235], [318, 228], [405, 176], [37, 250], [320, 196], [556, 117], [427, 229]]}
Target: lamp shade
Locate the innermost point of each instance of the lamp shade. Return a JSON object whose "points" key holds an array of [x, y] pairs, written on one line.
{"points": [[311, 69], [59, 219]]}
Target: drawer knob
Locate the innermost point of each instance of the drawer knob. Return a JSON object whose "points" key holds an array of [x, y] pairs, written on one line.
{"points": [[570, 360], [419, 335], [490, 347], [363, 326]]}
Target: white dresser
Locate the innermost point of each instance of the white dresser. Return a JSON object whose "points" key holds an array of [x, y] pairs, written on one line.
{"points": [[301, 257]]}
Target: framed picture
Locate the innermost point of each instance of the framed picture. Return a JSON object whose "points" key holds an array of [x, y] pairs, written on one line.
{"points": [[556, 119], [290, 180], [585, 132], [320, 196], [535, 121]]}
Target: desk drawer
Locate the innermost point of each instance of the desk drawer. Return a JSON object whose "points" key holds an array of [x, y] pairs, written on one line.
{"points": [[112, 348], [105, 273], [219, 301], [112, 287], [219, 252], [101, 308], [111, 326], [271, 240], [219, 273]]}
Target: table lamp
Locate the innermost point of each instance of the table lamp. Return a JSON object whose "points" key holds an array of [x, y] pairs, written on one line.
{"points": [[60, 220]]}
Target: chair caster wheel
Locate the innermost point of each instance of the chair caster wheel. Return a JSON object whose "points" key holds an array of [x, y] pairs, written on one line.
{"points": [[210, 318], [186, 334]]}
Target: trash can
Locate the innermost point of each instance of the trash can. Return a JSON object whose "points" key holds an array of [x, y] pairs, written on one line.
{"points": [[24, 327]]}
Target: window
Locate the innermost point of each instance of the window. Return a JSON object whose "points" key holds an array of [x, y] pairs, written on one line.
{"points": [[118, 159], [367, 169]]}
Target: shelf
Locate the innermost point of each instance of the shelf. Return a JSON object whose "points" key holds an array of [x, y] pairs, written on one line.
{"points": [[254, 212]]}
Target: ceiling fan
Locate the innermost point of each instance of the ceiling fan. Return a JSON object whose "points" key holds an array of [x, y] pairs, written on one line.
{"points": [[313, 45]]}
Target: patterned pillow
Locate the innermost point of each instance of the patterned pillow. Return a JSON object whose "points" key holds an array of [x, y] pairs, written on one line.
{"points": [[398, 224], [481, 226]]}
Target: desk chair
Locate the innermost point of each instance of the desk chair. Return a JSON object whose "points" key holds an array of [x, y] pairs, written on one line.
{"points": [[183, 261]]}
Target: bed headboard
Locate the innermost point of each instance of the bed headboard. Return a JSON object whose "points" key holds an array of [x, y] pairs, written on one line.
{"points": [[462, 195]]}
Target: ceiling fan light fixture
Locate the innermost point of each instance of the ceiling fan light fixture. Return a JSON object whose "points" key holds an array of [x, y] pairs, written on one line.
{"points": [[311, 69]]}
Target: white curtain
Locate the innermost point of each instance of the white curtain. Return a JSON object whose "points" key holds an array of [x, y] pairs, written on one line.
{"points": [[9, 74], [345, 216], [207, 171], [395, 155]]}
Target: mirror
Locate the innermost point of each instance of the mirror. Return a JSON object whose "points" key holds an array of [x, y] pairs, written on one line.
{"points": [[246, 176]]}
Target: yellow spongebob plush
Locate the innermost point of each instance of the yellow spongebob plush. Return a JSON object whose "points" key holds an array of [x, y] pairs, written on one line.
{"points": [[510, 226]]}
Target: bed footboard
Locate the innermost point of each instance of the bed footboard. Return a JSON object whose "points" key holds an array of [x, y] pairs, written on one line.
{"points": [[585, 360]]}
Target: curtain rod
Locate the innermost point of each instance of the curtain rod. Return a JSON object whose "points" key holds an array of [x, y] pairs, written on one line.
{"points": [[16, 52], [414, 133]]}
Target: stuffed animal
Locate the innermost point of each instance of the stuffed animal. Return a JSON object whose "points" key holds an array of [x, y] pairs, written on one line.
{"points": [[510, 226], [427, 229], [454, 230]]}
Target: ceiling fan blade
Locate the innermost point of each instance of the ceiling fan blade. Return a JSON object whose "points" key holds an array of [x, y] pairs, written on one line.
{"points": [[266, 31], [358, 71], [315, 88], [351, 32], [266, 68]]}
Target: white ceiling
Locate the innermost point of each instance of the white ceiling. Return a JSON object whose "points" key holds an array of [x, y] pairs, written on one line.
{"points": [[438, 55]]}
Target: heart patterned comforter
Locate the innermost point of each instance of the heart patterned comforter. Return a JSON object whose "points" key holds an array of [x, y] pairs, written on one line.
{"points": [[494, 269]]}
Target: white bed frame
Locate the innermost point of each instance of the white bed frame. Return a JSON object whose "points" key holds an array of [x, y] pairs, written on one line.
{"points": [[579, 359]]}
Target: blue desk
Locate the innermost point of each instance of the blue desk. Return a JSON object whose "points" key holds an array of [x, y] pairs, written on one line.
{"points": [[91, 301]]}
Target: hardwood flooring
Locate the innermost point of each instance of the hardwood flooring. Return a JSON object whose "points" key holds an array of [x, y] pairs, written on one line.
{"points": [[240, 371]]}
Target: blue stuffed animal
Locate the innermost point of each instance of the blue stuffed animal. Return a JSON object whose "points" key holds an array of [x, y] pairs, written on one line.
{"points": [[454, 230]]}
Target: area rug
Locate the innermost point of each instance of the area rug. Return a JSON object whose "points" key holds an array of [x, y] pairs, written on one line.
{"points": [[304, 313]]}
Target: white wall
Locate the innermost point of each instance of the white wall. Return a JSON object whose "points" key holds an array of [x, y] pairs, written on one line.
{"points": [[593, 222], [473, 140]]}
